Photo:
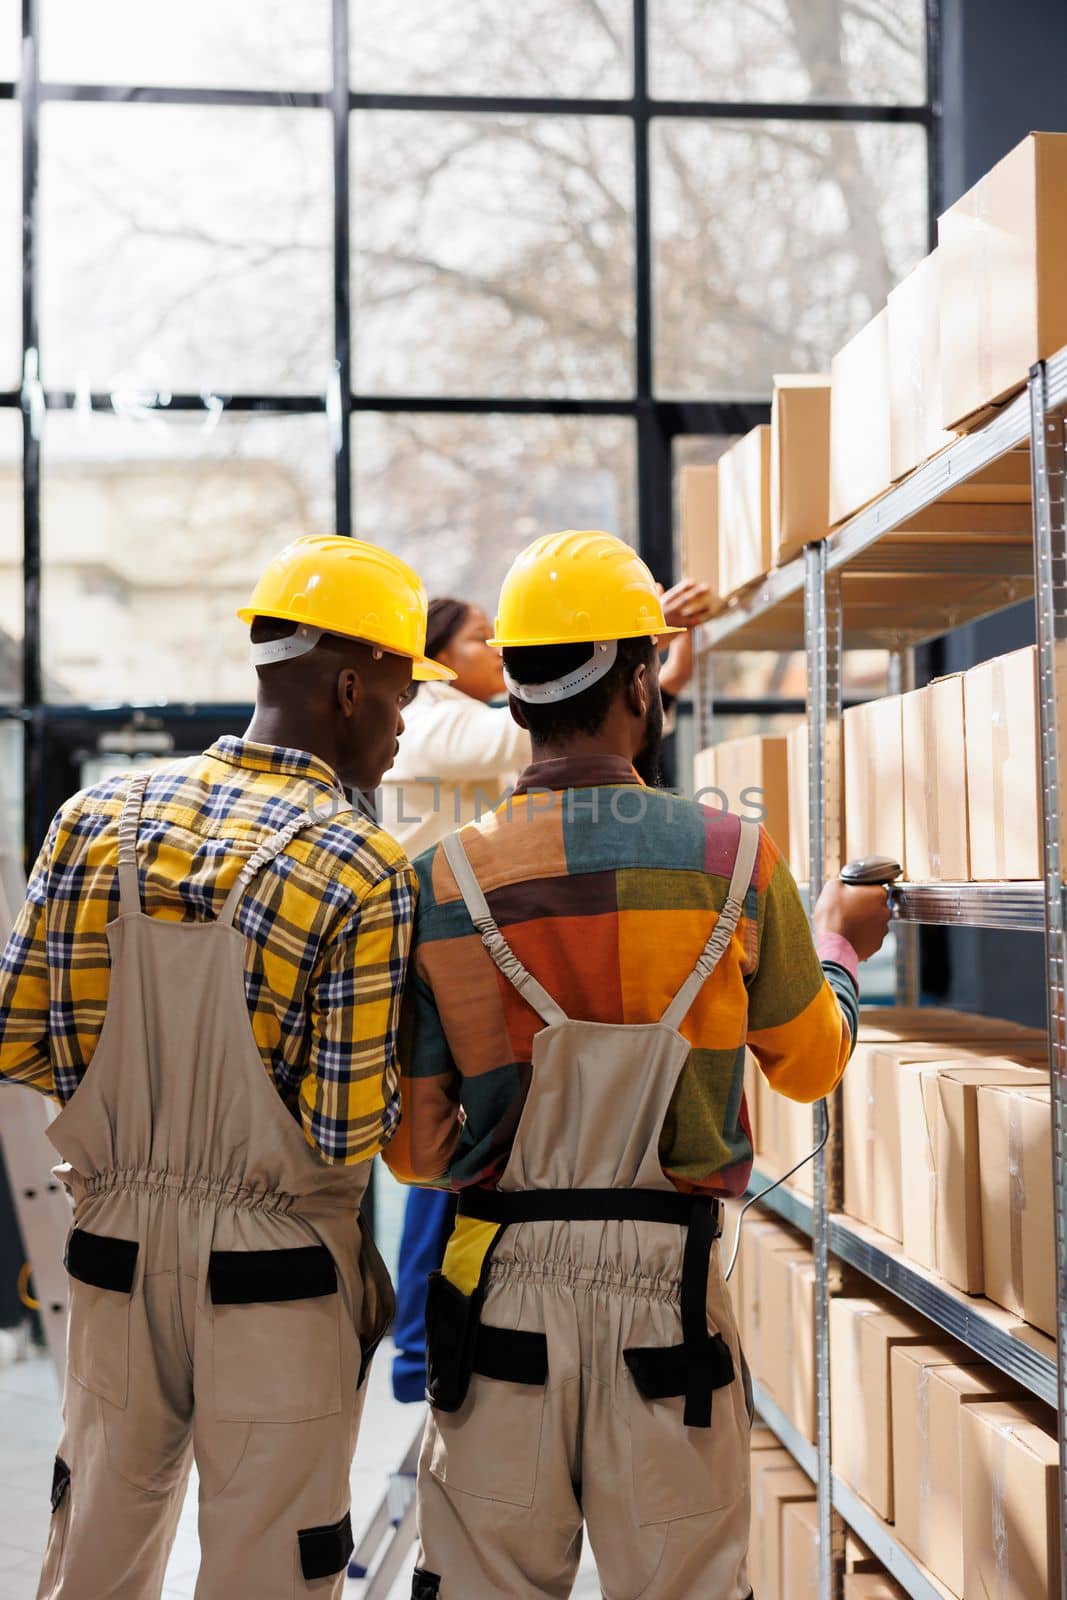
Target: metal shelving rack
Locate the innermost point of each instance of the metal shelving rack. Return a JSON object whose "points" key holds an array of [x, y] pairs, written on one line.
{"points": [[857, 589]]}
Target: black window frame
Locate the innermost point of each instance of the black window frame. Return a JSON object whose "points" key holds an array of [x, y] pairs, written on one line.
{"points": [[52, 730]]}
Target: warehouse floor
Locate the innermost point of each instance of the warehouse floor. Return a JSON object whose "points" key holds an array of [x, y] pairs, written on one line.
{"points": [[29, 1430]]}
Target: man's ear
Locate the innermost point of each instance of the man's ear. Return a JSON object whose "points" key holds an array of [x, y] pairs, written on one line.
{"points": [[515, 707], [349, 691], [638, 693]]}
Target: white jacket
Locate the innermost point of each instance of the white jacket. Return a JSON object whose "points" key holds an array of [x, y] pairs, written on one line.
{"points": [[467, 756]]}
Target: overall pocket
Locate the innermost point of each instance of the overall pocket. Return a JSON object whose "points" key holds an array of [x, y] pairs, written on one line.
{"points": [[680, 1471], [57, 1531], [487, 1388], [102, 1269], [275, 1334]]}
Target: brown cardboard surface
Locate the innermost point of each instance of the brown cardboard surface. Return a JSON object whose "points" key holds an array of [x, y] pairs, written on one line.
{"points": [[797, 780], [800, 1551], [760, 1236], [857, 1557], [860, 467], [914, 335], [935, 782], [929, 1388], [700, 526], [1003, 298], [752, 772], [1010, 1515], [803, 1409], [958, 1205], [874, 779], [800, 463], [745, 512], [872, 1586], [922, 1024], [863, 1334], [1004, 815], [929, 1189], [869, 1098], [774, 1486], [777, 1354], [1015, 1164]]}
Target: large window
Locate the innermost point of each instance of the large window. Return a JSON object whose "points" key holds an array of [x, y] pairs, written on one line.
{"points": [[445, 274]]}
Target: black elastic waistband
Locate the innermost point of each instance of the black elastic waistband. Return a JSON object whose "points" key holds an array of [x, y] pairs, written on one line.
{"points": [[587, 1205]]}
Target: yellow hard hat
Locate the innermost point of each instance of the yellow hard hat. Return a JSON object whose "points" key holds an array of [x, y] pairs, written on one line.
{"points": [[577, 588], [329, 584]]}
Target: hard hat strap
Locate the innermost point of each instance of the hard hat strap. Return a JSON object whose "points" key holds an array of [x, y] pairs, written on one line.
{"points": [[598, 666], [300, 643]]}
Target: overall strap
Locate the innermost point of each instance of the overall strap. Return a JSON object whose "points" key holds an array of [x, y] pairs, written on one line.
{"points": [[492, 938], [262, 856], [129, 882], [713, 951]]}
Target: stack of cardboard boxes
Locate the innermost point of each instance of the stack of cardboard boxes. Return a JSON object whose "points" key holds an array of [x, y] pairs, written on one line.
{"points": [[934, 1440], [957, 337], [946, 779]]}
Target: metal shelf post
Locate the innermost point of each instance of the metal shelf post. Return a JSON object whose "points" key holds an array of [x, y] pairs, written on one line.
{"points": [[906, 935], [1048, 433], [822, 643]]}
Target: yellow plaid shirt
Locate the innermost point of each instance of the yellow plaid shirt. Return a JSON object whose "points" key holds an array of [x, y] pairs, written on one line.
{"points": [[327, 927]]}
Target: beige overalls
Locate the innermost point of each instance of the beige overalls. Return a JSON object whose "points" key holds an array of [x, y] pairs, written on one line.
{"points": [[583, 1359], [225, 1299]]}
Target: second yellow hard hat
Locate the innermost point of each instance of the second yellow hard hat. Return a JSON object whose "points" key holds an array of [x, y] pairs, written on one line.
{"points": [[577, 588]]}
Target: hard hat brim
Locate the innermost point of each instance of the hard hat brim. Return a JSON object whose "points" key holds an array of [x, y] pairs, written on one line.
{"points": [[423, 668], [538, 643]]}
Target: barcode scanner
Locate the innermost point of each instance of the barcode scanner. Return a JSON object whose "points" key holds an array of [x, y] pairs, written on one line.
{"points": [[871, 870]]}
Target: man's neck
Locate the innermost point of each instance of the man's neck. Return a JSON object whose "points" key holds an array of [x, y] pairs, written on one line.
{"points": [[584, 748], [276, 726]]}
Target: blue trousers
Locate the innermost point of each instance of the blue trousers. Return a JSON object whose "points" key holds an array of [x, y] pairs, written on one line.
{"points": [[428, 1218]]}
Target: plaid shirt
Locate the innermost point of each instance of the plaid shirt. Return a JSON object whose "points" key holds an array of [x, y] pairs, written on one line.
{"points": [[327, 924], [608, 891]]}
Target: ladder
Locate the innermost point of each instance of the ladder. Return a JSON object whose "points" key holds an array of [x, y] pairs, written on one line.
{"points": [[41, 1204]]}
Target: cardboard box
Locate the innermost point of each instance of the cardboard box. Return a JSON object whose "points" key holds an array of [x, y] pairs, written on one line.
{"points": [[1015, 1163], [935, 782], [869, 1094], [800, 464], [1003, 297], [929, 1391], [1003, 780], [760, 1236], [857, 1557], [872, 1586], [1010, 1501], [745, 553], [700, 527], [874, 779], [860, 465], [800, 1330], [753, 772], [778, 1359], [775, 1485], [863, 1335], [796, 760], [940, 1187], [914, 334], [800, 1551], [872, 1139]]}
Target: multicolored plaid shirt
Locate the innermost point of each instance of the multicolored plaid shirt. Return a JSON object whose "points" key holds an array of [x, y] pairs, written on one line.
{"points": [[327, 923], [608, 891]]}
